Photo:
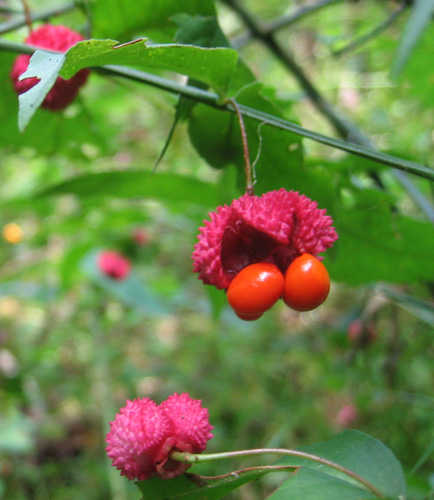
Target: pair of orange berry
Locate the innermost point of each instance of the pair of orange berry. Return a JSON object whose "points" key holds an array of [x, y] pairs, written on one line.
{"points": [[257, 287]]}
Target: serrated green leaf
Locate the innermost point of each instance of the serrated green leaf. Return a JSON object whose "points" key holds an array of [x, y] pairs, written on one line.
{"points": [[213, 66], [137, 184], [362, 454], [421, 16]]}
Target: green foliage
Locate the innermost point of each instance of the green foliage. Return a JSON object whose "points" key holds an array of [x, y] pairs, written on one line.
{"points": [[75, 344], [214, 66]]}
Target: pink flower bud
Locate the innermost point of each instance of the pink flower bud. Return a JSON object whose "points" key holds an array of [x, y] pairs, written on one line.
{"points": [[347, 416], [114, 265]]}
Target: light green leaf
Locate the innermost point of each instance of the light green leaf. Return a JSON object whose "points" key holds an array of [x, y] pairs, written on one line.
{"points": [[46, 67], [137, 184], [421, 16]]}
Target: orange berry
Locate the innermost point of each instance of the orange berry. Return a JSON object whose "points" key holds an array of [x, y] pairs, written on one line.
{"points": [[12, 233], [307, 283], [255, 289]]}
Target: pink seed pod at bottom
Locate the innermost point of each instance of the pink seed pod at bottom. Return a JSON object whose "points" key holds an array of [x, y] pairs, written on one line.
{"points": [[143, 435]]}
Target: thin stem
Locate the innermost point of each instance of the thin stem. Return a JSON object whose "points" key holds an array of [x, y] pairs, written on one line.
{"points": [[354, 44], [27, 15], [283, 21], [235, 473], [213, 100], [41, 16], [247, 164], [192, 458]]}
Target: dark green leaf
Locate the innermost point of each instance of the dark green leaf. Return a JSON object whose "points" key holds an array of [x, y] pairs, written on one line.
{"points": [[181, 488], [308, 484], [377, 245]]}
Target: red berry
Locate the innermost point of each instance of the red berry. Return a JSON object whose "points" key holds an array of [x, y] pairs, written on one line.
{"points": [[307, 283], [255, 289]]}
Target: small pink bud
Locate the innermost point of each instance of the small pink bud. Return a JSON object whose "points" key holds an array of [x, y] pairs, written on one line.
{"points": [[114, 265], [347, 416], [141, 236]]}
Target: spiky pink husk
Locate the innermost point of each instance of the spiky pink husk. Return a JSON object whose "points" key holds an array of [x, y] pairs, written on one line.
{"points": [[190, 422], [114, 265], [276, 227], [143, 434], [136, 438], [64, 91]]}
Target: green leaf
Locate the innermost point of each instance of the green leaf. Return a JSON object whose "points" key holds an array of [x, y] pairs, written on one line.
{"points": [[181, 488], [130, 291], [308, 484], [46, 67], [213, 66], [354, 450], [137, 184], [421, 16], [376, 244]]}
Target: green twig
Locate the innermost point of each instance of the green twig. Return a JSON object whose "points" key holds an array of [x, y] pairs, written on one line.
{"points": [[207, 457], [41, 16], [358, 42], [283, 21]]}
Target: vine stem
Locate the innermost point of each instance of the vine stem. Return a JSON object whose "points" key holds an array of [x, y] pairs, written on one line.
{"points": [[247, 164], [207, 457]]}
